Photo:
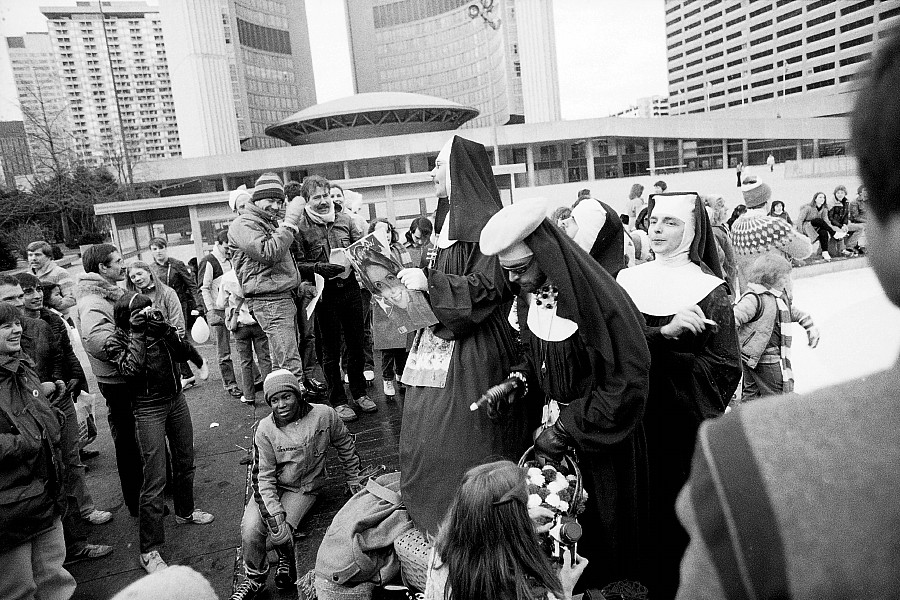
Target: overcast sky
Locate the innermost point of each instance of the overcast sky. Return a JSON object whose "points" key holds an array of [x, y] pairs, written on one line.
{"points": [[610, 52]]}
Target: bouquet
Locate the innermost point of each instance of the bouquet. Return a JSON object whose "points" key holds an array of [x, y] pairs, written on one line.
{"points": [[552, 489]]}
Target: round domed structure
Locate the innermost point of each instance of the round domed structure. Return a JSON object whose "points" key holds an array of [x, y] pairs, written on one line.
{"points": [[370, 115]]}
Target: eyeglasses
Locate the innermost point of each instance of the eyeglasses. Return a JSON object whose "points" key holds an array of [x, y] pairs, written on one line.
{"points": [[521, 270]]}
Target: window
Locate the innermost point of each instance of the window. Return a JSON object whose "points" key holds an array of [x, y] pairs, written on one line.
{"points": [[732, 8], [762, 97], [761, 54], [857, 42], [820, 52], [762, 82], [790, 30], [693, 51], [823, 67], [761, 69], [819, 20], [858, 6], [819, 4], [760, 40], [734, 35], [760, 25], [760, 11], [715, 42], [735, 21], [819, 84], [855, 59], [790, 45], [712, 17], [820, 36], [856, 24]]}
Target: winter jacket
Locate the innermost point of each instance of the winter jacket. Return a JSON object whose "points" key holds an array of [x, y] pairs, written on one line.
{"points": [[839, 214], [71, 366], [175, 274], [807, 213], [262, 256], [315, 243], [166, 300], [859, 211], [31, 493], [210, 271], [42, 347], [96, 297], [755, 316], [293, 457], [148, 360]]}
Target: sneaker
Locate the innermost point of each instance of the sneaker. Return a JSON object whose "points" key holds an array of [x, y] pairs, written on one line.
{"points": [[88, 552], [365, 404], [826, 256], [152, 561], [234, 390], [99, 517], [188, 382], [861, 250], [248, 401], [285, 571], [203, 372], [346, 413], [248, 590], [198, 517], [389, 388], [369, 374], [840, 234]]}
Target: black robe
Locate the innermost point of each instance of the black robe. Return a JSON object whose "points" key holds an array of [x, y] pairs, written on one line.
{"points": [[441, 438]]}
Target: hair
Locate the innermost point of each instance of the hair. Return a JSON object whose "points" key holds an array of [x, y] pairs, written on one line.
{"points": [[636, 191], [96, 255], [139, 264], [124, 306], [48, 288], [661, 185], [641, 221], [423, 224], [27, 280], [772, 208], [9, 313], [222, 236], [585, 193], [490, 511], [311, 183], [769, 269], [626, 219], [562, 212], [875, 130], [395, 237], [813, 201], [292, 189], [10, 280], [41, 246], [840, 187], [334, 185], [719, 212], [158, 241], [860, 189], [736, 214]]}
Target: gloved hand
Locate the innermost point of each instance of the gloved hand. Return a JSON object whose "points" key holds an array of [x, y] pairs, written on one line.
{"points": [[328, 270], [499, 398], [156, 324], [552, 444], [414, 279], [138, 321], [294, 210], [813, 334], [307, 290], [280, 531]]}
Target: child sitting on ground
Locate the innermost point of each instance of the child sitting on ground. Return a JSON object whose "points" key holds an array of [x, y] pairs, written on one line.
{"points": [[763, 316], [288, 471]]}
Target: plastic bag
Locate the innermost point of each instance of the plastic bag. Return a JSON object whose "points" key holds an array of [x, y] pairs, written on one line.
{"points": [[200, 331], [84, 412]]}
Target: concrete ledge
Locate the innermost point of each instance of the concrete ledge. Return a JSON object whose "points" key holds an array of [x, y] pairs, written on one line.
{"points": [[834, 266]]}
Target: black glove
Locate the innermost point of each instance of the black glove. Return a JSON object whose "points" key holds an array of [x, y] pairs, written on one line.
{"points": [[500, 397], [552, 444], [328, 270], [138, 321]]}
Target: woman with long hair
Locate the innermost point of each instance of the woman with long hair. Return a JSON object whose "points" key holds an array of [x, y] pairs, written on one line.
{"points": [[812, 220], [487, 546], [634, 205]]}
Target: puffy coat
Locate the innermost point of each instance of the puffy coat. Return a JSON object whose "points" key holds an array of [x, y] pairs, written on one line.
{"points": [[262, 256], [96, 297], [315, 243], [42, 347], [148, 360], [31, 494]]}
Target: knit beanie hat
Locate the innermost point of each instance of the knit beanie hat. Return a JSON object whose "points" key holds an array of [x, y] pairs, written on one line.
{"points": [[268, 186], [280, 380], [756, 193]]}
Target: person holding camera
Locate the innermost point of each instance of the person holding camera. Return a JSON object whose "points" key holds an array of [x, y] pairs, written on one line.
{"points": [[146, 351]]}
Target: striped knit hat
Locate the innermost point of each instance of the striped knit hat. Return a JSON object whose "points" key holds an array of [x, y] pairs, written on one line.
{"points": [[754, 234], [281, 380], [756, 193], [268, 186]]}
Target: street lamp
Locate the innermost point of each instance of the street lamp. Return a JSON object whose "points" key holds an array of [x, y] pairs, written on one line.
{"points": [[485, 10]]}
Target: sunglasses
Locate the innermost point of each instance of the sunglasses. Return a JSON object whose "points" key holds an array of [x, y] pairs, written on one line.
{"points": [[521, 270]]}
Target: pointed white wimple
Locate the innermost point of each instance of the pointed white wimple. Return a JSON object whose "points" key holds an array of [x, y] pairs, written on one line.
{"points": [[590, 216], [546, 324]]}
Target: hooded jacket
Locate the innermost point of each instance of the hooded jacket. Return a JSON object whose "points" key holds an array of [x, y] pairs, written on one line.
{"points": [[262, 256], [165, 299], [96, 297], [30, 460], [176, 275]]}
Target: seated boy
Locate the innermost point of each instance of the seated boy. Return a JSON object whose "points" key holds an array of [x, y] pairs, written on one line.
{"points": [[763, 316], [288, 472]]}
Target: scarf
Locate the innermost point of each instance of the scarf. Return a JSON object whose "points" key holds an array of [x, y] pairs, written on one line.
{"points": [[783, 319], [319, 219]]}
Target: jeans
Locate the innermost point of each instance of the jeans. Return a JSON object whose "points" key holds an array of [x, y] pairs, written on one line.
{"points": [[246, 338], [856, 235], [78, 500], [340, 311], [306, 329], [156, 424], [223, 348], [762, 381], [254, 531], [393, 361], [368, 341], [277, 317], [34, 569], [825, 231], [121, 426]]}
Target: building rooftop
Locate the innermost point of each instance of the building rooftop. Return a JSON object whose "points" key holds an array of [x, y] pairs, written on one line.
{"points": [[370, 115]]}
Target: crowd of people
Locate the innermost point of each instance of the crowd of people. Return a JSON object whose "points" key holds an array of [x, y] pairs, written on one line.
{"points": [[616, 341]]}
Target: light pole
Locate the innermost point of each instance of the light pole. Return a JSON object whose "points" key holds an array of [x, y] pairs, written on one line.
{"points": [[484, 11]]}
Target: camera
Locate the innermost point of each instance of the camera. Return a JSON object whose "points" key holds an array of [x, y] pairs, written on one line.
{"points": [[564, 537]]}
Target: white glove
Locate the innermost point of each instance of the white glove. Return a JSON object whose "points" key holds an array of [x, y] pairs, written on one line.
{"points": [[414, 279], [294, 210]]}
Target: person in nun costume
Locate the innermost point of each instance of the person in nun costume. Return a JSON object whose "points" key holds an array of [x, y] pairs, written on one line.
{"points": [[695, 363], [598, 230], [471, 347], [587, 358]]}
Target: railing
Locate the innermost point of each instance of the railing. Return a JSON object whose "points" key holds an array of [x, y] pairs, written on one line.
{"points": [[814, 167]]}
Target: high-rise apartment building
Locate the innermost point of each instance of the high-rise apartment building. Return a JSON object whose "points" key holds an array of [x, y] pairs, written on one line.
{"points": [[537, 49], [730, 53], [112, 59], [646, 108], [435, 47], [14, 152], [46, 126]]}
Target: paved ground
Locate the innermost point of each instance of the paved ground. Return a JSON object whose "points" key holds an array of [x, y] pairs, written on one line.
{"points": [[860, 334]]}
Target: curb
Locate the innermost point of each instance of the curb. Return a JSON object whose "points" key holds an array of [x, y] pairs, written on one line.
{"points": [[834, 266]]}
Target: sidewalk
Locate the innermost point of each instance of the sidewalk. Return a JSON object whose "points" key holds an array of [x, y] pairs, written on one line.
{"points": [[219, 486]]}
